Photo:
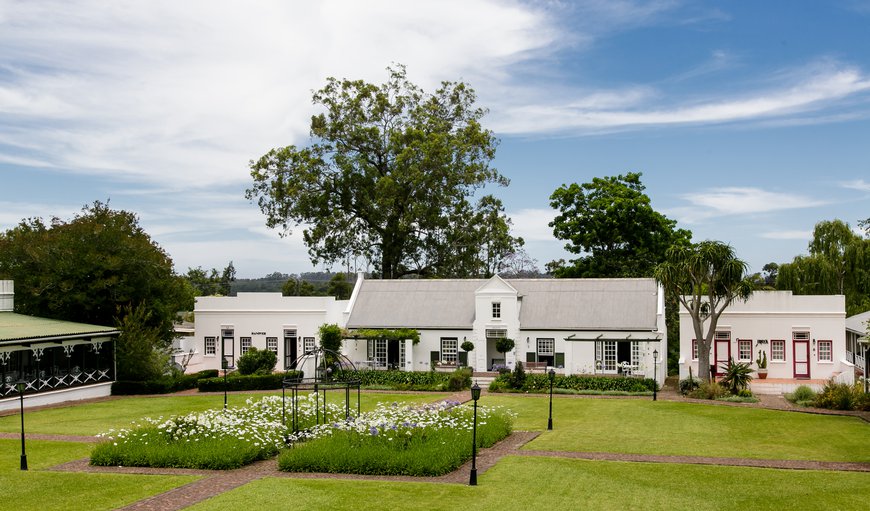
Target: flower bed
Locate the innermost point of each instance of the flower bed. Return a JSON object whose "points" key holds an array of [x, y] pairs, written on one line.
{"points": [[214, 439], [418, 441]]}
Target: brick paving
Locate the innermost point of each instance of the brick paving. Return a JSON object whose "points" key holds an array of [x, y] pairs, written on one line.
{"points": [[215, 482]]}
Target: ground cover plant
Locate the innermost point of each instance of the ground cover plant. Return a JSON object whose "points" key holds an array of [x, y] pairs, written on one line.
{"points": [[410, 440], [119, 412], [217, 439], [517, 482], [643, 426], [37, 489], [410, 380]]}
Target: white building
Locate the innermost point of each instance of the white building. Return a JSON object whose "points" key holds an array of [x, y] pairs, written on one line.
{"points": [[578, 326], [286, 325], [802, 336]]}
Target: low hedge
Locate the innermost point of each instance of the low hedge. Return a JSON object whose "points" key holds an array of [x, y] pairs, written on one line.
{"points": [[410, 380], [165, 385], [235, 381], [540, 383]]}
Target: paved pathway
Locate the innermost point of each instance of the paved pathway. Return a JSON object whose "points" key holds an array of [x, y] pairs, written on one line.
{"points": [[215, 482]]}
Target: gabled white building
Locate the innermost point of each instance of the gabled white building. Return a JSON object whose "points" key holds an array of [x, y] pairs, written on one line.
{"points": [[578, 326], [802, 337], [286, 325]]}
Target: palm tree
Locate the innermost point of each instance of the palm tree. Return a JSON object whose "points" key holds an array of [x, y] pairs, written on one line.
{"points": [[705, 277]]}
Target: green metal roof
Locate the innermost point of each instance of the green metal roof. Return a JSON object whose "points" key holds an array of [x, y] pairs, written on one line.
{"points": [[16, 327]]}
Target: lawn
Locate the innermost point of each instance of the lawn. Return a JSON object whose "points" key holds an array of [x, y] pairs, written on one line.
{"points": [[93, 418], [37, 489], [535, 483], [643, 426]]}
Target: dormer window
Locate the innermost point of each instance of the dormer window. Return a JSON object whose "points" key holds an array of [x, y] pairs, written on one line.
{"points": [[496, 310]]}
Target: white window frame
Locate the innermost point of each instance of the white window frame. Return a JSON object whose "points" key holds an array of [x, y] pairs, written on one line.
{"points": [[829, 350], [308, 344], [272, 344], [744, 356], [450, 350], [546, 347], [245, 344], [210, 346], [777, 345], [610, 356], [496, 310], [694, 349]]}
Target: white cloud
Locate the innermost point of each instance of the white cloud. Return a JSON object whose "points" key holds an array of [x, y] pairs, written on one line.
{"points": [[532, 224], [787, 235], [738, 201], [857, 184]]}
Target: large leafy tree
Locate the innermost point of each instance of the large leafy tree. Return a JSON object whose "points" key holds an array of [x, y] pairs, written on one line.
{"points": [[838, 263], [388, 171], [95, 268], [611, 225], [211, 283], [705, 278]]}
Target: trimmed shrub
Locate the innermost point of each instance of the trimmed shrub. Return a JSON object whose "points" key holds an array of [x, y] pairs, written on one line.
{"points": [[257, 362], [460, 379], [398, 380], [236, 382], [803, 396], [540, 383], [164, 385]]}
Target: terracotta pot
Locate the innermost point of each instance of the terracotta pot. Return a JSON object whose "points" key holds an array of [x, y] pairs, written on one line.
{"points": [[762, 374]]}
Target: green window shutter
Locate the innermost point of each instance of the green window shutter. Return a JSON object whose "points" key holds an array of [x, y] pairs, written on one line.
{"points": [[463, 358], [531, 356], [560, 360], [434, 356]]}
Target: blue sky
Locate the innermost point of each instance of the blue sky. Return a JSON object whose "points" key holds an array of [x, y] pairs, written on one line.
{"points": [[750, 121]]}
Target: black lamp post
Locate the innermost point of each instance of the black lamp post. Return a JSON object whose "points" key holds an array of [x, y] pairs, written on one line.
{"points": [[225, 366], [552, 374], [475, 395], [20, 386], [655, 375]]}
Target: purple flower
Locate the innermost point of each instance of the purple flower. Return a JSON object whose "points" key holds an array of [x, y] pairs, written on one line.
{"points": [[374, 431]]}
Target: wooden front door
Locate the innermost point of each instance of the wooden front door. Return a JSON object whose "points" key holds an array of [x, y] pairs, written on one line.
{"points": [[802, 359], [721, 355]]}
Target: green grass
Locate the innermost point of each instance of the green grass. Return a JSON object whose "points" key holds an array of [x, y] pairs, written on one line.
{"points": [[643, 426], [39, 490], [93, 418], [537, 483]]}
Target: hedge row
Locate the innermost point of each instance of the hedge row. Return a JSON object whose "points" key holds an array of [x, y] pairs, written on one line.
{"points": [[406, 380], [249, 382], [541, 383], [165, 385]]}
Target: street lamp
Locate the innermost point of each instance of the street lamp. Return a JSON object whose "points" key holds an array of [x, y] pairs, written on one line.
{"points": [[475, 395], [20, 386], [655, 375], [225, 366], [552, 374]]}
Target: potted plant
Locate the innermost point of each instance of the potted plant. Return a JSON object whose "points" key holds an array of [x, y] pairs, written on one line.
{"points": [[762, 364]]}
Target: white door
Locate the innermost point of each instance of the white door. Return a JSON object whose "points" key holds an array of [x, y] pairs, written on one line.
{"points": [[802, 359], [722, 356]]}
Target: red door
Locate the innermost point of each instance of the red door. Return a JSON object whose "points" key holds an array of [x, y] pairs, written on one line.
{"points": [[802, 359], [722, 354]]}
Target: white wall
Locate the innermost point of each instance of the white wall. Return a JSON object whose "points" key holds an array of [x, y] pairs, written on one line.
{"points": [[775, 315], [258, 316]]}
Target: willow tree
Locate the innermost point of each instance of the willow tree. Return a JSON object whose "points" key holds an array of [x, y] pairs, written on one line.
{"points": [[838, 263], [705, 278], [387, 171]]}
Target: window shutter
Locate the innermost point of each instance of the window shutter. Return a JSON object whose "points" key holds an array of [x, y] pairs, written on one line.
{"points": [[531, 356], [463, 358], [560, 360]]}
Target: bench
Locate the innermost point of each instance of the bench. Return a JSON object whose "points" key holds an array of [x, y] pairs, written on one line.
{"points": [[533, 367]]}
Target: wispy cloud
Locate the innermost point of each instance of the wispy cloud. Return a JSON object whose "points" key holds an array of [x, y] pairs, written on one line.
{"points": [[533, 224], [787, 235], [738, 201], [799, 91], [857, 184]]}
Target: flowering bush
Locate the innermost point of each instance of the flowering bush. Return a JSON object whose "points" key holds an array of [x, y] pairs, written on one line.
{"points": [[397, 440], [213, 439]]}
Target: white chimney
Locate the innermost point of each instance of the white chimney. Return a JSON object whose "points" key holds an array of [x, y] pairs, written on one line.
{"points": [[7, 295]]}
